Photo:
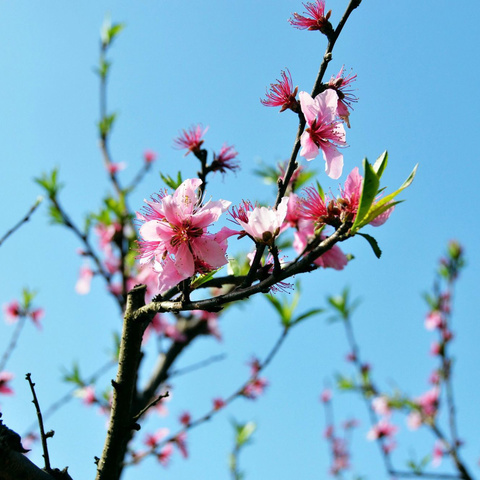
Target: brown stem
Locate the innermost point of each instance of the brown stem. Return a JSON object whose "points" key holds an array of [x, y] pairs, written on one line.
{"points": [[121, 419]]}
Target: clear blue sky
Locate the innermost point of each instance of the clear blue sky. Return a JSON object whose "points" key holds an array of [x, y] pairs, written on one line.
{"points": [[179, 63]]}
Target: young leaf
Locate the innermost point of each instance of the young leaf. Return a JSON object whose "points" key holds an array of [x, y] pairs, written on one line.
{"points": [[373, 243], [380, 164], [371, 182]]}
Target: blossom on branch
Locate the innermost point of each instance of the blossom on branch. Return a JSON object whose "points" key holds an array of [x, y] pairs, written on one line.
{"points": [[282, 94], [175, 236], [190, 139], [324, 130], [149, 156], [225, 160], [262, 224], [314, 19], [5, 389], [341, 84]]}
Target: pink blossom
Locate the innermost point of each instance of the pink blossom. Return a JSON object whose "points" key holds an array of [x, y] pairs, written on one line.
{"points": [[414, 420], [324, 131], [87, 394], [433, 320], [225, 160], [185, 418], [381, 406], [333, 211], [333, 258], [326, 395], [106, 233], [175, 235], [165, 453], [149, 156], [434, 378], [263, 224], [12, 311], [116, 167], [428, 402], [329, 431], [438, 453], [255, 366], [152, 440], [218, 403], [315, 18], [282, 94], [255, 388], [181, 442], [341, 84], [36, 315], [5, 377], [82, 287], [436, 349], [190, 139], [383, 429]]}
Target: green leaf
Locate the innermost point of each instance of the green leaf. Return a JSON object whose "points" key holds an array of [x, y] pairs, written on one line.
{"points": [[308, 314], [27, 297], [50, 183], [201, 279], [371, 183], [320, 190], [373, 243], [109, 31], [244, 433], [56, 217], [73, 376], [345, 383], [170, 182], [106, 123], [380, 164]]}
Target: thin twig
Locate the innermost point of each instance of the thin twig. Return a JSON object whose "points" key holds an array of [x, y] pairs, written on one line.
{"points": [[197, 366], [43, 435], [13, 342], [25, 219]]}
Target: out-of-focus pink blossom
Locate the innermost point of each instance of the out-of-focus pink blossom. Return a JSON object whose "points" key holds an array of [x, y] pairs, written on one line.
{"points": [[149, 156], [436, 349], [12, 311], [175, 235], [181, 442], [437, 453], [36, 316], [429, 402], [324, 131], [314, 19], [225, 160], [381, 406], [185, 418], [116, 167], [106, 233], [433, 320], [153, 439], [329, 431], [5, 377], [434, 378], [282, 94], [263, 224], [87, 394], [190, 139], [165, 453], [414, 420], [255, 366], [383, 429], [341, 84], [326, 395], [82, 287], [218, 403], [255, 388]]}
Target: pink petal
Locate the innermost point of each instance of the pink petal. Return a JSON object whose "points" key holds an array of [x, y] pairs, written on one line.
{"points": [[334, 159]]}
